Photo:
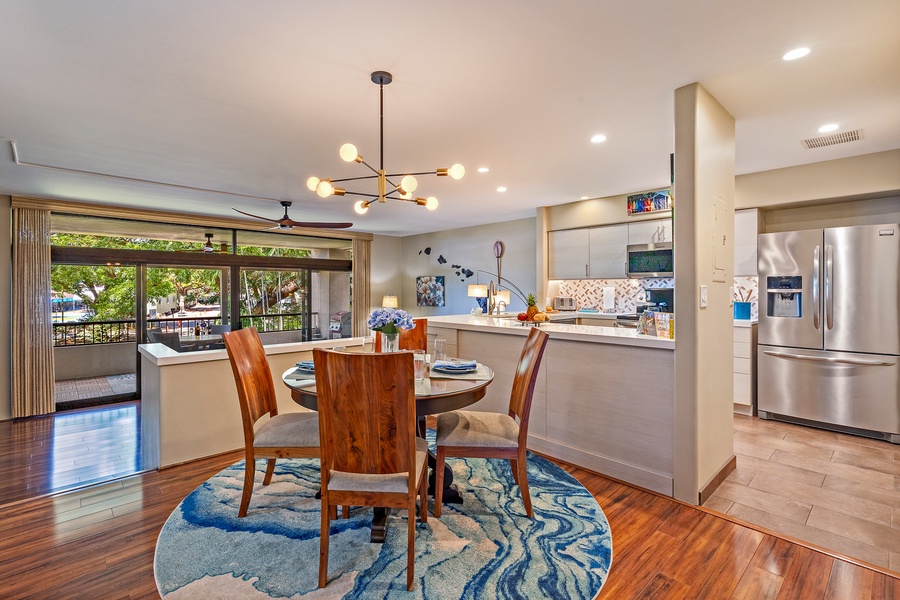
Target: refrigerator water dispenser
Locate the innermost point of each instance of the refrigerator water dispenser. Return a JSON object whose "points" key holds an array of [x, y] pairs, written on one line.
{"points": [[783, 296]]}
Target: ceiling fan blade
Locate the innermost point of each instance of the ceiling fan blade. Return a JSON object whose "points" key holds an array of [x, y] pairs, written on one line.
{"points": [[316, 224], [256, 216]]}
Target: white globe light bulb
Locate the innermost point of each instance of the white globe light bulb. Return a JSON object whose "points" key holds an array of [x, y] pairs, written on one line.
{"points": [[361, 207], [431, 203], [311, 183], [348, 152], [456, 171], [324, 189], [409, 184]]}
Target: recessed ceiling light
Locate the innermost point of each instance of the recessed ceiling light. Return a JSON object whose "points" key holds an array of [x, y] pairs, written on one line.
{"points": [[502, 188], [796, 53], [599, 138], [828, 128], [585, 197], [483, 169]]}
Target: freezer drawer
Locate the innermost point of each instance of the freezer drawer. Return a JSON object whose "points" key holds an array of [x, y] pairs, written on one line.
{"points": [[852, 390]]}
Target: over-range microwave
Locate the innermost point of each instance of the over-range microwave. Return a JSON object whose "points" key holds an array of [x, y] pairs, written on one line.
{"points": [[650, 260]]}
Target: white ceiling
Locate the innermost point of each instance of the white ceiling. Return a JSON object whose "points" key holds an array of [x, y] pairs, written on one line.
{"points": [[254, 97]]}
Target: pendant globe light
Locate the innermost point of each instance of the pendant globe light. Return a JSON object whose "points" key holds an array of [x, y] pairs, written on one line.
{"points": [[391, 186]]}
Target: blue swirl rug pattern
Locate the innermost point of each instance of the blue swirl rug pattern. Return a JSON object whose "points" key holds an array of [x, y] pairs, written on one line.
{"points": [[484, 548]]}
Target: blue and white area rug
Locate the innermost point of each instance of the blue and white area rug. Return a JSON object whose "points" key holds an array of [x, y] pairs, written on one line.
{"points": [[485, 547]]}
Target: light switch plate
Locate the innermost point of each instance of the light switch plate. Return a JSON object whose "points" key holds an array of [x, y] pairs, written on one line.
{"points": [[704, 296]]}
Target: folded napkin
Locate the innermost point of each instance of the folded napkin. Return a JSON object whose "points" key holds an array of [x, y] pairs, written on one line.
{"points": [[307, 365], [454, 365]]}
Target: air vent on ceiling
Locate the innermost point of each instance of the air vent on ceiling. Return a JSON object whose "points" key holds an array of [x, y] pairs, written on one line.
{"points": [[831, 140]]}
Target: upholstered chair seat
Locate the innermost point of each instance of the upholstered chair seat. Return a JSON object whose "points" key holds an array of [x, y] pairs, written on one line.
{"points": [[477, 429]]}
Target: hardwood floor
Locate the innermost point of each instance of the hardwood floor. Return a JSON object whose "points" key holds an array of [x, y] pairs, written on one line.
{"points": [[44, 455], [98, 543], [836, 491]]}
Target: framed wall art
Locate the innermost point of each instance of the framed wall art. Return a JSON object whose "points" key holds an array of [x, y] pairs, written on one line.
{"points": [[430, 290]]}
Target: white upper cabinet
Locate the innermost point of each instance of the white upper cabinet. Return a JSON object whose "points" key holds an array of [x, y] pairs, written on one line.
{"points": [[654, 231], [569, 254], [745, 225], [607, 251]]}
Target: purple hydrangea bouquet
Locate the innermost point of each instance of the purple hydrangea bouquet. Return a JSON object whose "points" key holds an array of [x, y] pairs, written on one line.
{"points": [[390, 321]]}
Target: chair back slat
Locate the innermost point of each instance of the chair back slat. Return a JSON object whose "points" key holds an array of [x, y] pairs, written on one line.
{"points": [[526, 374], [367, 409], [252, 376], [409, 339]]}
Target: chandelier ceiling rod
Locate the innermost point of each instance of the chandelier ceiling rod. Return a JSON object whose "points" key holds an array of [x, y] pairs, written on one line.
{"points": [[325, 187]]}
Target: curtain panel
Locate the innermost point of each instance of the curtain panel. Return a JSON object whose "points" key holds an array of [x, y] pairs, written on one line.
{"points": [[362, 292], [32, 376]]}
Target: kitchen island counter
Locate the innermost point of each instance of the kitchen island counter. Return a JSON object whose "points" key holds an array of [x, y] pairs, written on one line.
{"points": [[624, 336], [603, 398]]}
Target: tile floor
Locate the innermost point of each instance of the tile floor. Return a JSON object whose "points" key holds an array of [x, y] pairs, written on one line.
{"points": [[837, 491], [73, 390]]}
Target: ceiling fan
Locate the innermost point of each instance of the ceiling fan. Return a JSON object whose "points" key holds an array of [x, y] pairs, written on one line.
{"points": [[210, 248], [286, 222]]}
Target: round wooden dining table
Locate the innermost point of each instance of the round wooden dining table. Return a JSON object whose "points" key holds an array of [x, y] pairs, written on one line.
{"points": [[435, 394]]}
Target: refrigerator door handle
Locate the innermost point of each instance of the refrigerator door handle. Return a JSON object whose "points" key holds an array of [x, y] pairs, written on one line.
{"points": [[832, 359], [815, 288], [829, 296]]}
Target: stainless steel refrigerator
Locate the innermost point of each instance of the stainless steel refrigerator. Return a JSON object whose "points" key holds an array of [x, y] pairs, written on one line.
{"points": [[829, 328]]}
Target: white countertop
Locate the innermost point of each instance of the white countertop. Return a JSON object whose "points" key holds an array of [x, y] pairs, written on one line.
{"points": [[624, 336], [745, 322], [162, 355]]}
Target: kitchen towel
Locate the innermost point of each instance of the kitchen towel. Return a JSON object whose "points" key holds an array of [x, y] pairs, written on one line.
{"points": [[609, 299]]}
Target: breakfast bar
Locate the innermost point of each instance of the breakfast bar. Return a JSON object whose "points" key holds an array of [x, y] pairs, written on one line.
{"points": [[604, 398]]}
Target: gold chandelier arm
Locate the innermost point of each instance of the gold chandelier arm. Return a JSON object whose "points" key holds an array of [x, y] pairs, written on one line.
{"points": [[419, 173], [353, 178]]}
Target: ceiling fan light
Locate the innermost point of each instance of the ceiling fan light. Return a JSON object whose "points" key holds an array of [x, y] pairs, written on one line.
{"points": [[361, 207], [349, 153], [311, 183], [457, 171], [408, 184], [324, 189], [431, 203]]}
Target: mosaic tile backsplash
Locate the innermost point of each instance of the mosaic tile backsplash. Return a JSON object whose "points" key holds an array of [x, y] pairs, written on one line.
{"points": [[588, 293]]}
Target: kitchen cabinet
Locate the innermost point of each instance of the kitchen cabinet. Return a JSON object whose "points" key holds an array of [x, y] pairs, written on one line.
{"points": [[745, 230], [745, 368], [607, 251], [607, 320], [653, 231], [569, 253]]}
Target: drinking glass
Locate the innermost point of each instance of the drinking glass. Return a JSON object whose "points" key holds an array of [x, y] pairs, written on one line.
{"points": [[440, 349], [419, 364]]}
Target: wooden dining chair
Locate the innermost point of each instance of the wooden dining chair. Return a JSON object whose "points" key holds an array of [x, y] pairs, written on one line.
{"points": [[370, 453], [468, 434], [290, 435], [409, 339]]}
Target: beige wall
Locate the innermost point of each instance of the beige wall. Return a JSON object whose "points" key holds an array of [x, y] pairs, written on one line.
{"points": [[5, 308], [858, 212], [869, 176], [386, 268], [472, 248], [704, 256], [596, 211]]}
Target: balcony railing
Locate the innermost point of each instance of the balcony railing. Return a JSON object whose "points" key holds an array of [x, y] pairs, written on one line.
{"points": [[83, 333]]}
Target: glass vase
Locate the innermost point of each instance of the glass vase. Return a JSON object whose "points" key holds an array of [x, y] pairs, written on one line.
{"points": [[389, 342]]}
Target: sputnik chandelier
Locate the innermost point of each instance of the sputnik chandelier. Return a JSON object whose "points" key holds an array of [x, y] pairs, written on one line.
{"points": [[387, 188]]}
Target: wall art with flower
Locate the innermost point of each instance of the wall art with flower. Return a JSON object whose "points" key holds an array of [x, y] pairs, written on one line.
{"points": [[430, 290]]}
